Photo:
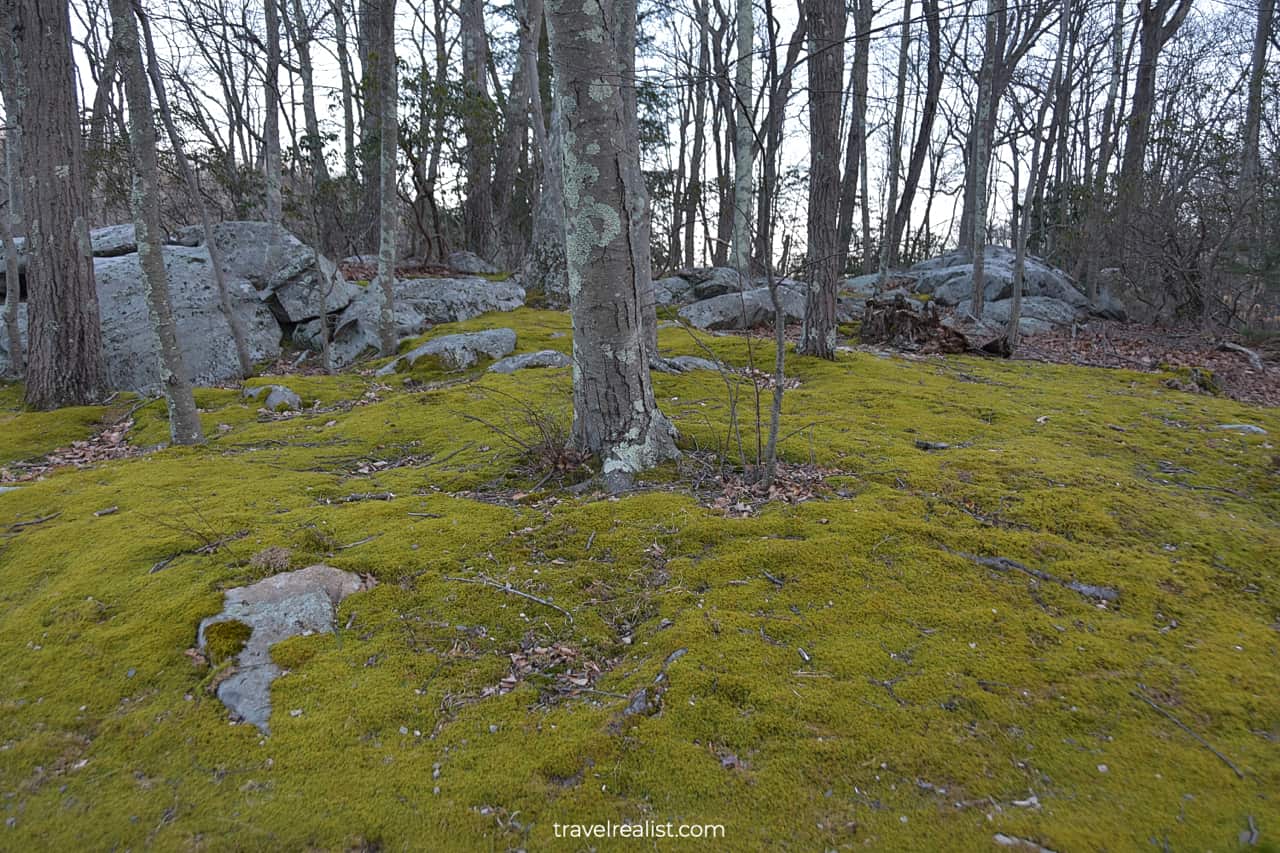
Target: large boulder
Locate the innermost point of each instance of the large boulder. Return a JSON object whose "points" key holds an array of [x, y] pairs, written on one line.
{"points": [[110, 241], [456, 352], [541, 358], [949, 278], [420, 303], [469, 263], [208, 349], [295, 280], [1039, 313], [672, 290], [744, 310]]}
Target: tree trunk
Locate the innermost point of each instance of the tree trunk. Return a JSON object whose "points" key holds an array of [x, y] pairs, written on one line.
{"points": [[184, 419], [855, 149], [243, 357], [888, 249], [11, 220], [515, 132], [982, 156], [389, 202], [615, 414], [744, 141], [477, 207], [271, 121], [1089, 264], [338, 8], [1251, 165], [826, 73], [693, 193], [65, 363], [924, 134]]}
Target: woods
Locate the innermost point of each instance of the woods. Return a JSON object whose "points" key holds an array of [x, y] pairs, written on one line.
{"points": [[804, 424]]}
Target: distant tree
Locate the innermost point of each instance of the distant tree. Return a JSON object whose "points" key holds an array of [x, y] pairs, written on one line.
{"points": [[826, 70], [184, 418], [389, 202], [11, 219]]}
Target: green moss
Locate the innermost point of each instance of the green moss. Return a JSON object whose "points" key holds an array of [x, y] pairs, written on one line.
{"points": [[225, 640], [925, 672]]}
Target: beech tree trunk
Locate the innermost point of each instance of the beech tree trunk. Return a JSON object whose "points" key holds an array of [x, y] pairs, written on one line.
{"points": [[744, 141], [982, 156], [512, 237], [615, 414], [826, 72], [65, 364], [855, 150], [184, 419]]}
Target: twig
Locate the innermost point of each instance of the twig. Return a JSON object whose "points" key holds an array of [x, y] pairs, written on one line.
{"points": [[1004, 564], [1167, 715], [359, 542], [361, 496], [1255, 360], [33, 522], [484, 581]]}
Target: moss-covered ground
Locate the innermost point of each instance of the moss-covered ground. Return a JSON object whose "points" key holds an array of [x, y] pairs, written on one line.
{"points": [[936, 702]]}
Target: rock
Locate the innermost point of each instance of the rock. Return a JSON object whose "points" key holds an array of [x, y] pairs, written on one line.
{"points": [[277, 397], [744, 310], [113, 241], [1108, 307], [671, 290], [950, 278], [1039, 313], [420, 303], [861, 285], [1249, 429], [542, 358], [295, 282], [207, 346], [4, 489], [709, 282], [279, 607], [361, 260], [457, 352], [469, 263], [683, 364]]}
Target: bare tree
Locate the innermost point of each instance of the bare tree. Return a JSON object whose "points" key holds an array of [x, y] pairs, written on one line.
{"points": [[744, 143], [615, 414], [981, 157], [477, 210], [826, 70], [184, 418], [65, 361], [389, 203]]}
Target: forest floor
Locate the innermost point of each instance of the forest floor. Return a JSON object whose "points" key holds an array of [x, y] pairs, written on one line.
{"points": [[845, 663]]}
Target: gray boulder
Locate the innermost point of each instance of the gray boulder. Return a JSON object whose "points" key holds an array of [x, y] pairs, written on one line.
{"points": [[541, 358], [457, 352], [296, 281], [672, 290], [208, 350], [275, 398], [744, 310], [277, 608], [949, 278], [683, 364], [419, 304], [469, 263], [113, 241], [708, 282], [1039, 313]]}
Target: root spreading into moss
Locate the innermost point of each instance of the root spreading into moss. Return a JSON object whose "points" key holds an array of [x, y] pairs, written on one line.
{"points": [[850, 675]]}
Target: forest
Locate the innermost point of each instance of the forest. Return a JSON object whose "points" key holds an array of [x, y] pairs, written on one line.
{"points": [[743, 424]]}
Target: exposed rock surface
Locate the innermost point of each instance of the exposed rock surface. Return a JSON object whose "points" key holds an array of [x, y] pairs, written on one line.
{"points": [[285, 605], [457, 352], [744, 310], [469, 263], [1039, 313], [949, 278], [420, 303], [275, 398], [683, 364], [541, 358], [296, 281]]}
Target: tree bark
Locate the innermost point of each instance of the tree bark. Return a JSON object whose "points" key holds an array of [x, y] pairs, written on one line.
{"points": [[512, 238], [924, 134], [477, 207], [888, 233], [65, 363], [338, 8], [615, 414], [389, 202], [744, 141], [826, 72], [855, 149], [1251, 163], [982, 155], [184, 418], [11, 221]]}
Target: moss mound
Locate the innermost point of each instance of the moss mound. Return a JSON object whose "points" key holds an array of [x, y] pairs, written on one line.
{"points": [[225, 640], [826, 674]]}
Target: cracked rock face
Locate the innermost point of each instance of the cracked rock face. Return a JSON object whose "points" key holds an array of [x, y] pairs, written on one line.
{"points": [[287, 605]]}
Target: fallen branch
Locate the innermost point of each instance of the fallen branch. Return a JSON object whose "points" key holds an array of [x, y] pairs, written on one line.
{"points": [[1004, 564], [361, 496], [1169, 716], [484, 581], [359, 542], [19, 525], [203, 550]]}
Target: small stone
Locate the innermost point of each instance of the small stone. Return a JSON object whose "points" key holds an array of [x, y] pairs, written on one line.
{"points": [[131, 673], [404, 730], [296, 712], [1245, 428], [493, 730], [1102, 768]]}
